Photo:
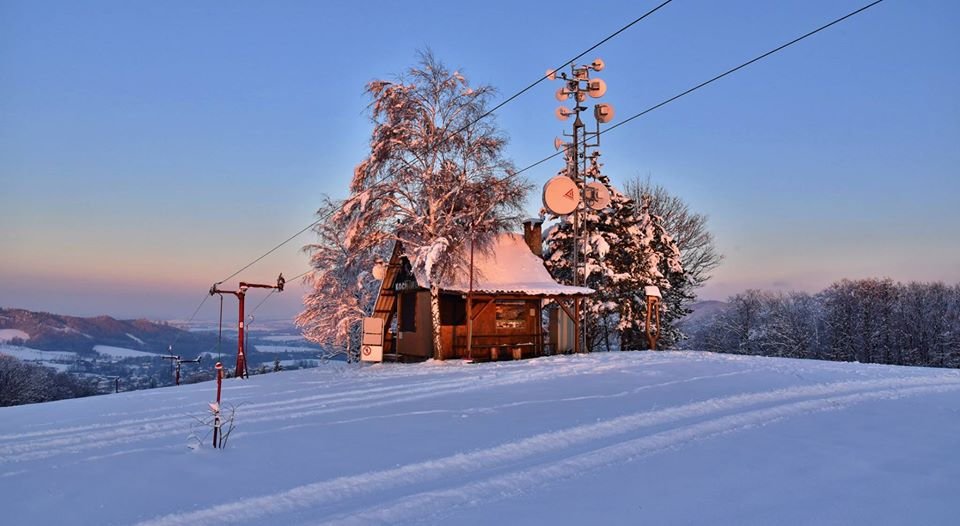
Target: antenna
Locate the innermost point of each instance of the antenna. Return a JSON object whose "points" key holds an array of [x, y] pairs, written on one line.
{"points": [[597, 196], [560, 195], [557, 143], [597, 65], [603, 112], [563, 94], [551, 74], [379, 270], [596, 88], [563, 113]]}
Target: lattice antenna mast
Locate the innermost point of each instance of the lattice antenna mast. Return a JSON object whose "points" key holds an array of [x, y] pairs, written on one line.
{"points": [[581, 162]]}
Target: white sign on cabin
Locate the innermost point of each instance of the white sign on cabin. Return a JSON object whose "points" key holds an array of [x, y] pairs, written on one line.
{"points": [[371, 346]]}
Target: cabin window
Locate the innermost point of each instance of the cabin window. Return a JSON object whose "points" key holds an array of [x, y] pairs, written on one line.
{"points": [[453, 310], [408, 312], [511, 314]]}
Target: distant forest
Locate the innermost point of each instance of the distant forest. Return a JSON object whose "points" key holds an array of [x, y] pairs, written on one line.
{"points": [[868, 321]]}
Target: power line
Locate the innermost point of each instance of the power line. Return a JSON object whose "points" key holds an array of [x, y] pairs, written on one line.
{"points": [[565, 64], [714, 79], [471, 123]]}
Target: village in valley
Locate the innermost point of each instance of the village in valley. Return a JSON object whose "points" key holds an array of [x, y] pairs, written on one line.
{"points": [[322, 270]]}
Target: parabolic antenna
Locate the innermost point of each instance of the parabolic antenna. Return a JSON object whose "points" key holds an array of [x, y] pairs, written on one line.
{"points": [[563, 94], [560, 195], [603, 112], [379, 270], [597, 196], [552, 74], [563, 113], [597, 65], [557, 143], [596, 88]]}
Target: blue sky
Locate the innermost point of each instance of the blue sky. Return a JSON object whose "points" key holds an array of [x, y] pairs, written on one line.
{"points": [[149, 149]]}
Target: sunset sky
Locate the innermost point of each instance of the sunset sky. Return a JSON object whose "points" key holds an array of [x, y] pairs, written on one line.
{"points": [[149, 149]]}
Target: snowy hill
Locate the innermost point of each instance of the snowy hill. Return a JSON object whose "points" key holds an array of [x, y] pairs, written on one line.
{"points": [[619, 438]]}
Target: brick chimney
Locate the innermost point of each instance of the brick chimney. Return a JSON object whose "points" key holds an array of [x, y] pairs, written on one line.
{"points": [[533, 235]]}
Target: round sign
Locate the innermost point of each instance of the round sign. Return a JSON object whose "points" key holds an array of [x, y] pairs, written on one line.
{"points": [[367, 350], [561, 195]]}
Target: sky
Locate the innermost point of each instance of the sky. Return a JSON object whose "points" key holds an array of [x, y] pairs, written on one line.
{"points": [[150, 149]]}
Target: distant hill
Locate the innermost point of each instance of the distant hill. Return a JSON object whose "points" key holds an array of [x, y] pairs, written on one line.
{"points": [[55, 332]]}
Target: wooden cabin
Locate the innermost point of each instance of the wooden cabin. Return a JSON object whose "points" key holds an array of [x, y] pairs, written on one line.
{"points": [[498, 316]]}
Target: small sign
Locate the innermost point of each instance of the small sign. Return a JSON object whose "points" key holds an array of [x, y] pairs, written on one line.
{"points": [[371, 353]]}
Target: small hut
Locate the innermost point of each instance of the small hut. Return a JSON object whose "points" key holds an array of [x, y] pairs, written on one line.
{"points": [[497, 316]]}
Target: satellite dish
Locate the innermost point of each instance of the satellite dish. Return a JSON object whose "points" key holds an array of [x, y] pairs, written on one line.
{"points": [[379, 271], [557, 143], [603, 112], [563, 113], [597, 196], [596, 88], [560, 195], [598, 64], [563, 94], [552, 74]]}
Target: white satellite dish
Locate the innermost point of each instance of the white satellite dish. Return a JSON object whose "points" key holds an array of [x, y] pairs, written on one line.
{"points": [[379, 270], [551, 74], [563, 94], [563, 113], [596, 88], [603, 112], [597, 196], [557, 143], [598, 64], [560, 195]]}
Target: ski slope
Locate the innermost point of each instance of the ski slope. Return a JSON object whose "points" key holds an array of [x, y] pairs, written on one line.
{"points": [[617, 438]]}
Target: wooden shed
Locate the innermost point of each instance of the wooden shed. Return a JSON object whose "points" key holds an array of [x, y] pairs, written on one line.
{"points": [[499, 317]]}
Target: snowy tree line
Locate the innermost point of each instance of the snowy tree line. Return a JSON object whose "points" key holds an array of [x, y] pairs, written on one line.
{"points": [[26, 383], [868, 321]]}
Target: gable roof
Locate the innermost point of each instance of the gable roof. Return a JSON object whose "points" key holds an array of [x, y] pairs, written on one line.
{"points": [[508, 268]]}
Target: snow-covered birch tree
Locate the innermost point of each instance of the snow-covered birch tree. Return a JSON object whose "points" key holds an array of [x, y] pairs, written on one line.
{"points": [[342, 289], [435, 177]]}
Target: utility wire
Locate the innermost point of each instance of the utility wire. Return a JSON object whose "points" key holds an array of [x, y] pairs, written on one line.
{"points": [[273, 291], [471, 123], [558, 68], [714, 79]]}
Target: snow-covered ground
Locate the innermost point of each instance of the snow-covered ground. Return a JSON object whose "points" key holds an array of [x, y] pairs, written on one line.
{"points": [[31, 355], [120, 352], [619, 438], [9, 334]]}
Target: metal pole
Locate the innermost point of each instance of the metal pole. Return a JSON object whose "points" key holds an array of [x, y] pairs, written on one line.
{"points": [[241, 370], [470, 304]]}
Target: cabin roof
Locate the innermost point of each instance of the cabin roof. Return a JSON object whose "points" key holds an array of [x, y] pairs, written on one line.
{"points": [[509, 267]]}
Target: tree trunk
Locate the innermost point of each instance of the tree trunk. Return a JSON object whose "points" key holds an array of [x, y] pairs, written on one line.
{"points": [[435, 315]]}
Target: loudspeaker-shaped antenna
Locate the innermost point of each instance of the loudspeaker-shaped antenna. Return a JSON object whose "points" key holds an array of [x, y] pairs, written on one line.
{"points": [[563, 113], [603, 113], [596, 87]]}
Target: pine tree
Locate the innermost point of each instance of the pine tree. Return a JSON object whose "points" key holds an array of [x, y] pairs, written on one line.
{"points": [[626, 250]]}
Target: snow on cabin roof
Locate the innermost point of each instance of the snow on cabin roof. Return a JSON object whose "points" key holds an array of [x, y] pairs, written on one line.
{"points": [[509, 267]]}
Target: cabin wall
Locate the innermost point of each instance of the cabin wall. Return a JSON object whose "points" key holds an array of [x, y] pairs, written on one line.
{"points": [[418, 342]]}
